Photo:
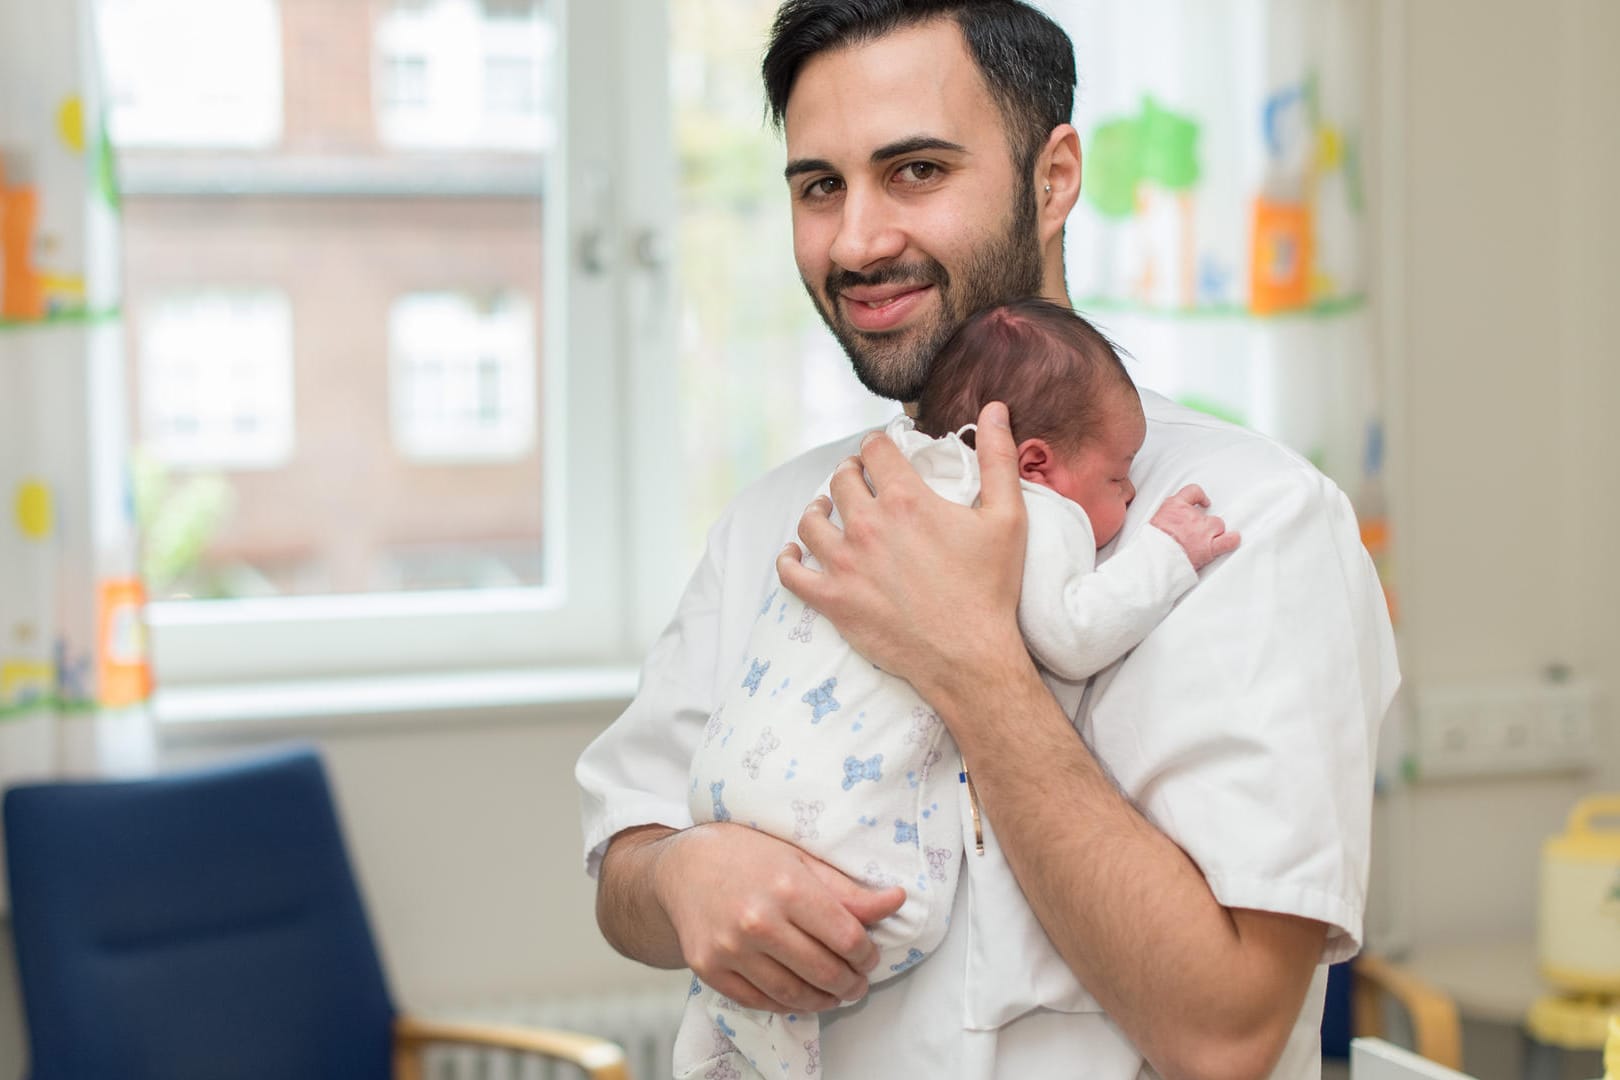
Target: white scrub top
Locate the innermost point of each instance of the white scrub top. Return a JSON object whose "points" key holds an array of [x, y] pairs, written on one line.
{"points": [[1244, 727]]}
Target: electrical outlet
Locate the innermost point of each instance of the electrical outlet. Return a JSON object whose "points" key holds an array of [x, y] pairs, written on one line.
{"points": [[1495, 729]]}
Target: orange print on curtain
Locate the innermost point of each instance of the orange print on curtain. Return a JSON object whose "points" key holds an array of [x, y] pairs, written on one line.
{"points": [[22, 291], [1280, 274], [123, 673]]}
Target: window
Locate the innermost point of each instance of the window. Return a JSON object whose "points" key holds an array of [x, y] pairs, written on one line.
{"points": [[761, 380], [406, 445], [462, 377], [216, 385], [166, 90], [458, 73], [404, 83]]}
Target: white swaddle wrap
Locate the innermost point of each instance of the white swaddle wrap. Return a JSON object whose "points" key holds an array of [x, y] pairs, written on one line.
{"points": [[816, 745]]}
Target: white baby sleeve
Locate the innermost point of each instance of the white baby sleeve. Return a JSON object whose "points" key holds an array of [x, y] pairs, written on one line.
{"points": [[1077, 617]]}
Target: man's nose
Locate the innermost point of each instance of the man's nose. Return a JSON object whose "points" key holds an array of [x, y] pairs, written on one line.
{"points": [[867, 232]]}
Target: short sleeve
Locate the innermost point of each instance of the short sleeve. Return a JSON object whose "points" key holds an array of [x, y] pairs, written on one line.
{"points": [[1245, 725], [635, 772]]}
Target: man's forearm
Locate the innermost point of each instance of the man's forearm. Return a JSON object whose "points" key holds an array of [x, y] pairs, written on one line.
{"points": [[1126, 908], [627, 908]]}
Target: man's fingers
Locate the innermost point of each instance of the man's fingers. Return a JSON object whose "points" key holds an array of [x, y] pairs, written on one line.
{"points": [[848, 484], [862, 906], [998, 457], [818, 968], [816, 530], [769, 985], [872, 906], [884, 464], [796, 577]]}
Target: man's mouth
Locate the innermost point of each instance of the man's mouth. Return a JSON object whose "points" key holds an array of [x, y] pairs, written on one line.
{"points": [[874, 309]]}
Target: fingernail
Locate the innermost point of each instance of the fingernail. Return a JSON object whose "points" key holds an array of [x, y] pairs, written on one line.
{"points": [[996, 413], [869, 438]]}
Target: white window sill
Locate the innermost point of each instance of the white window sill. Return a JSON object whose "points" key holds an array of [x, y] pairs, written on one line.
{"points": [[336, 706]]}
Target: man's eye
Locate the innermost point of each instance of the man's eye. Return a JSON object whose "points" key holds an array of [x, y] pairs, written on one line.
{"points": [[919, 171], [820, 189]]}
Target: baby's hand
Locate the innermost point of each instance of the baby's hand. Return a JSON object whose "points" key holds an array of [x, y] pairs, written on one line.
{"points": [[1202, 536]]}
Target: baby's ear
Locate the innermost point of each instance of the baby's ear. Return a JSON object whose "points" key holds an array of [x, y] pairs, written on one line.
{"points": [[1036, 461]]}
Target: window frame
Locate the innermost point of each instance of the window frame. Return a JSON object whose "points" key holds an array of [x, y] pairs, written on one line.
{"points": [[608, 370]]}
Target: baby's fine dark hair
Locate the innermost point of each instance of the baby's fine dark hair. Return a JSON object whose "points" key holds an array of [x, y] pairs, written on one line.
{"points": [[1058, 374]]}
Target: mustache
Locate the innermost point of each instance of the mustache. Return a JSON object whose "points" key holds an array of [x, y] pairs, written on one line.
{"points": [[927, 272]]}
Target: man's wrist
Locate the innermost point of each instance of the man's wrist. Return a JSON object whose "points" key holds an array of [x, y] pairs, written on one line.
{"points": [[981, 684]]}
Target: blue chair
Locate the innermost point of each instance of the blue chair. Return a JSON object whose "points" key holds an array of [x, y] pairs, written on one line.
{"points": [[207, 926]]}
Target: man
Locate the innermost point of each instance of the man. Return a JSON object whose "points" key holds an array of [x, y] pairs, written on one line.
{"points": [[1165, 869]]}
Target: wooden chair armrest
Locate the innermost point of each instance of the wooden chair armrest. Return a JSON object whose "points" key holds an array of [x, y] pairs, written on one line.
{"points": [[1436, 1026], [599, 1058]]}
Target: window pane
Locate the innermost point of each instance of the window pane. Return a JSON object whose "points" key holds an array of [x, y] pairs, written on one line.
{"points": [[761, 377], [333, 238]]}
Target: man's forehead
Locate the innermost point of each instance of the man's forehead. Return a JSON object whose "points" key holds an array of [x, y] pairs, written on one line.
{"points": [[918, 81]]}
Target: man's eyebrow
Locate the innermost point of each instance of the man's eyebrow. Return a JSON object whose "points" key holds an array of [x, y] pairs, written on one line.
{"points": [[806, 165], [913, 145], [898, 148]]}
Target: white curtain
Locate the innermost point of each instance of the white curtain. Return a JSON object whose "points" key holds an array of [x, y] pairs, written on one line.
{"points": [[74, 677], [1222, 232]]}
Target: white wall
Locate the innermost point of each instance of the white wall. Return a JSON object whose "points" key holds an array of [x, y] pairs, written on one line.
{"points": [[1506, 384]]}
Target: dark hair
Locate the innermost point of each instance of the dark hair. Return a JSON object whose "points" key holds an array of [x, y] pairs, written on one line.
{"points": [[1026, 59], [1056, 372]]}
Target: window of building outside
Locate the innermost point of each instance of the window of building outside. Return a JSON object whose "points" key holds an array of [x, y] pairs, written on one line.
{"points": [[355, 448], [166, 91], [464, 73], [216, 387], [462, 377]]}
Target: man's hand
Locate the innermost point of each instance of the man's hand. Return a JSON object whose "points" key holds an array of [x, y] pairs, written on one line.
{"points": [[765, 924], [920, 586], [1185, 516]]}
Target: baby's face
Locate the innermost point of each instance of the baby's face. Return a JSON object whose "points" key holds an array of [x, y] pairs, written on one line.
{"points": [[1097, 475]]}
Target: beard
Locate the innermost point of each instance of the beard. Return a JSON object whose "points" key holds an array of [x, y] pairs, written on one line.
{"points": [[895, 364]]}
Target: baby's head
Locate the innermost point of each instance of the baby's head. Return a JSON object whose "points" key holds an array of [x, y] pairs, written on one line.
{"points": [[1075, 413]]}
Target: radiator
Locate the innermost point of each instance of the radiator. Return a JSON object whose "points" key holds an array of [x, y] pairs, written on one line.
{"points": [[643, 1022]]}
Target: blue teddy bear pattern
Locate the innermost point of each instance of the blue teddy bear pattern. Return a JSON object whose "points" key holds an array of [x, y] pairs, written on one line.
{"points": [[720, 811], [856, 770], [821, 700], [756, 672]]}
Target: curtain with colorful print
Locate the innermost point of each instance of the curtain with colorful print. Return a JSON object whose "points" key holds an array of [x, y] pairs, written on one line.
{"points": [[1222, 232], [74, 677]]}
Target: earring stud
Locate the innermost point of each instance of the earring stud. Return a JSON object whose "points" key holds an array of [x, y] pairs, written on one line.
{"points": [[1049, 189]]}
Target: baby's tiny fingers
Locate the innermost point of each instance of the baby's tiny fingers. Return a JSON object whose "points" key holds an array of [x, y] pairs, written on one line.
{"points": [[1193, 494], [1224, 543]]}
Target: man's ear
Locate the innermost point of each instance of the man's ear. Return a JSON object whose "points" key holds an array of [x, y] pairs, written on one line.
{"points": [[1057, 180], [1036, 462]]}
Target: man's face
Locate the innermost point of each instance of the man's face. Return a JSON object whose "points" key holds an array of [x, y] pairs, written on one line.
{"points": [[908, 212]]}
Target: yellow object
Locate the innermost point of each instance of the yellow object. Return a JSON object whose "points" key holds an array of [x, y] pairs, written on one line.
{"points": [[1329, 149], [1611, 1050], [1572, 1023], [1578, 938], [70, 123], [34, 512], [25, 681]]}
